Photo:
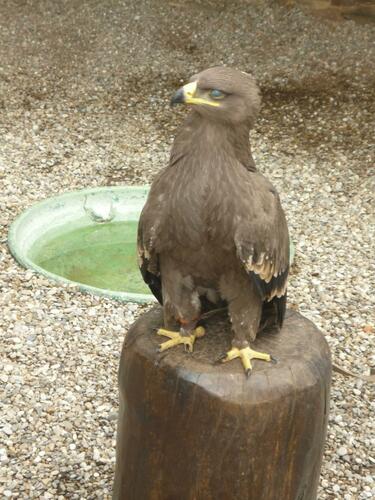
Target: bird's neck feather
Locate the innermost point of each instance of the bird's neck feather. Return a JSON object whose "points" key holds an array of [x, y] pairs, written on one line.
{"points": [[205, 140]]}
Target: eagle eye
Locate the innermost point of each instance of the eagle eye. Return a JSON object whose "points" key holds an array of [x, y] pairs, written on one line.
{"points": [[216, 94]]}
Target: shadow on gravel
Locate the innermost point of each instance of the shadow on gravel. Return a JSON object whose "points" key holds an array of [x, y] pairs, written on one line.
{"points": [[323, 113]]}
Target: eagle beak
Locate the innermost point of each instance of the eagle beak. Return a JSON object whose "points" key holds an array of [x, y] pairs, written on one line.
{"points": [[186, 94], [179, 97]]}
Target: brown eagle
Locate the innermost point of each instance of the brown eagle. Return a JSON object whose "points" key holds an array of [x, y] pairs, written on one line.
{"points": [[213, 228]]}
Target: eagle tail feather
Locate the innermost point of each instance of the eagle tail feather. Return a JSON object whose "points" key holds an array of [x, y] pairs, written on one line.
{"points": [[273, 313]]}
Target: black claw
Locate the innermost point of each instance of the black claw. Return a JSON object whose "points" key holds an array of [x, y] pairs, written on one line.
{"points": [[274, 360], [248, 372], [220, 359]]}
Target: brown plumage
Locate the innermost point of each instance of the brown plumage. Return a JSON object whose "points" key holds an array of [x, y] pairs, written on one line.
{"points": [[213, 227]]}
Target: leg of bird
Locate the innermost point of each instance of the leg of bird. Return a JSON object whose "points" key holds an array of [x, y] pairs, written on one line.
{"points": [[245, 308], [181, 302]]}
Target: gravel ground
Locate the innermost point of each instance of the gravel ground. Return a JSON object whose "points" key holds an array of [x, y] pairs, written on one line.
{"points": [[84, 92]]}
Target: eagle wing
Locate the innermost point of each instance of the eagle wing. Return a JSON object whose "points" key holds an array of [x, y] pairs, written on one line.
{"points": [[148, 263], [147, 241], [262, 244]]}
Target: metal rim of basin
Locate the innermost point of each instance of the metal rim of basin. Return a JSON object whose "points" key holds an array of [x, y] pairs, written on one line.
{"points": [[23, 259]]}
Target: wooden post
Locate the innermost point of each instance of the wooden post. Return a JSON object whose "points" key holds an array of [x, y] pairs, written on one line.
{"points": [[192, 430]]}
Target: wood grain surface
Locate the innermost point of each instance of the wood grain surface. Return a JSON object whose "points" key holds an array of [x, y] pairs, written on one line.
{"points": [[190, 429]]}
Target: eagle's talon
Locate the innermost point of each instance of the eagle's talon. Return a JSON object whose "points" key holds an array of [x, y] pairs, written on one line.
{"points": [[177, 338], [246, 355], [274, 360]]}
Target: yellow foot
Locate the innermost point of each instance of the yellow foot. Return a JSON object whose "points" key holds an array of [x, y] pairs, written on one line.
{"points": [[246, 355], [176, 338]]}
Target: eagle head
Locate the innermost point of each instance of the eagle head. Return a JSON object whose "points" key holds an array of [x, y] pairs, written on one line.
{"points": [[222, 94]]}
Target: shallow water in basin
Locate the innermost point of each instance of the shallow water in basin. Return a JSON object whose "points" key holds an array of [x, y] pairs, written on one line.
{"points": [[102, 255]]}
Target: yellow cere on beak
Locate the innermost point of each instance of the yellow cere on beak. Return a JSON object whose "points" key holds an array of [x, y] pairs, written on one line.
{"points": [[189, 91]]}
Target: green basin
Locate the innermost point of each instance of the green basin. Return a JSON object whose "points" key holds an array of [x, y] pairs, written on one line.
{"points": [[87, 237]]}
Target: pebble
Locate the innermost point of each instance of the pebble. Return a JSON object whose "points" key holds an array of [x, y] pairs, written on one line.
{"points": [[342, 451], [93, 110]]}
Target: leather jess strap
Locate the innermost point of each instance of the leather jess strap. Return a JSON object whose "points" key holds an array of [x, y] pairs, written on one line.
{"points": [[366, 378]]}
